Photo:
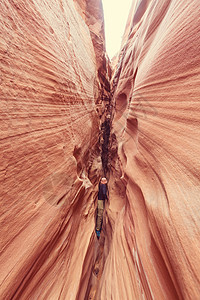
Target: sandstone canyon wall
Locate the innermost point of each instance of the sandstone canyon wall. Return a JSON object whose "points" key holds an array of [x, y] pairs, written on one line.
{"points": [[51, 87], [153, 219], [54, 76]]}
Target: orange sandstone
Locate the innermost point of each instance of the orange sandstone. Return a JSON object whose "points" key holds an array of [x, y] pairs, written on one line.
{"points": [[49, 83], [154, 251], [54, 75]]}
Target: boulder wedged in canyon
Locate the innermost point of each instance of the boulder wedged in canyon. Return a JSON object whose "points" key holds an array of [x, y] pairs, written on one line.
{"points": [[154, 225], [50, 159]]}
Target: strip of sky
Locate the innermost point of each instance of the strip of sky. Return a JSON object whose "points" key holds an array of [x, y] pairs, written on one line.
{"points": [[115, 15]]}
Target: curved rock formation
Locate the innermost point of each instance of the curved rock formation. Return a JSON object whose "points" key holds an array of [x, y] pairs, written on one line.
{"points": [[50, 157], [154, 250], [55, 109]]}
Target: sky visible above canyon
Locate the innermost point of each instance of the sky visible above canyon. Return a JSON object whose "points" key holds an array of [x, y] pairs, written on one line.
{"points": [[115, 15]]}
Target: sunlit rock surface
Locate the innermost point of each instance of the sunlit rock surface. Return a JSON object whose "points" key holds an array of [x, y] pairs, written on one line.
{"points": [[50, 162], [154, 252]]}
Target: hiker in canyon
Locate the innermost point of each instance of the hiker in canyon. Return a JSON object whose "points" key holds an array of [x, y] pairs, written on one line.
{"points": [[102, 196]]}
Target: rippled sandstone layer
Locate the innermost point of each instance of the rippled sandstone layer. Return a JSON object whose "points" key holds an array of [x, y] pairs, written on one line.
{"points": [[52, 82], [49, 83], [154, 224]]}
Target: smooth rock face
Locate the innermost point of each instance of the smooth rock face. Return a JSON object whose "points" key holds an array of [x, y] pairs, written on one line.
{"points": [[49, 84], [155, 224]]}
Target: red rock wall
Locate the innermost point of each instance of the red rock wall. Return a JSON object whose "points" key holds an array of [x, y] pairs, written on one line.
{"points": [[153, 226], [49, 84], [53, 73]]}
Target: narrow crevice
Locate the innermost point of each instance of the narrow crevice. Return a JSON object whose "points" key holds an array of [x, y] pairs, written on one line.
{"points": [[105, 127], [104, 146], [105, 130]]}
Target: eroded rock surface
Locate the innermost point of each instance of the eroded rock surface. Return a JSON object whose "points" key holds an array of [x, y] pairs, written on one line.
{"points": [[55, 105], [155, 223], [50, 158]]}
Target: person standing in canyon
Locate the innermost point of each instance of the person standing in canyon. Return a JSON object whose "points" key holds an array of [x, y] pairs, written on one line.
{"points": [[102, 196]]}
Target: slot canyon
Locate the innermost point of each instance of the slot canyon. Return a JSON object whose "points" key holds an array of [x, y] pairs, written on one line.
{"points": [[68, 116]]}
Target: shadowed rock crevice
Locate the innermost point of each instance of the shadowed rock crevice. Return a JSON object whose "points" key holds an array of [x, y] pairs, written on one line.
{"points": [[105, 138]]}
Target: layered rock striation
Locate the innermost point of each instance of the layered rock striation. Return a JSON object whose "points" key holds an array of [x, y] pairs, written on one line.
{"points": [[50, 86], [55, 128], [153, 222]]}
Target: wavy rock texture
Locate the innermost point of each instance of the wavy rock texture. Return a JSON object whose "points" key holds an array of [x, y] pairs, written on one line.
{"points": [[50, 159], [54, 75], [154, 224]]}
